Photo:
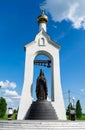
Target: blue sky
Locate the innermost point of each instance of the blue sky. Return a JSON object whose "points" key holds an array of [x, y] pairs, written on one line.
{"points": [[18, 26]]}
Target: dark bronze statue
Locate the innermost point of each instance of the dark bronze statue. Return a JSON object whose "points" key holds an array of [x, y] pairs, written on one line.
{"points": [[41, 87]]}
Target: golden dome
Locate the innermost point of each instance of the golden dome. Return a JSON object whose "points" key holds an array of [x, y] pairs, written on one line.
{"points": [[43, 18]]}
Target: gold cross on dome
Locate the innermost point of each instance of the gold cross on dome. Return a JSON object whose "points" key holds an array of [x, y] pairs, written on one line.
{"points": [[42, 7]]}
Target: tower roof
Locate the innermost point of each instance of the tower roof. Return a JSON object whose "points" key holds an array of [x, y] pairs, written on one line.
{"points": [[43, 18]]}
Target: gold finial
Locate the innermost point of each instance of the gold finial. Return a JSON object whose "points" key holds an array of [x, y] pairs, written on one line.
{"points": [[42, 17]]}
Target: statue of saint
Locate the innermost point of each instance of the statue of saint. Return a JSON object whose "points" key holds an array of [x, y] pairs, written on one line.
{"points": [[41, 87]]}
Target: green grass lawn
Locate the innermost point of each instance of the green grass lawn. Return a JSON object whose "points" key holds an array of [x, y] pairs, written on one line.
{"points": [[14, 117], [82, 118], [6, 117]]}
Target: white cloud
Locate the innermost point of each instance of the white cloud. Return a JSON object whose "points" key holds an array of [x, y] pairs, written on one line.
{"points": [[7, 84], [9, 100], [16, 97], [12, 94], [12, 98], [82, 90], [54, 26], [71, 10]]}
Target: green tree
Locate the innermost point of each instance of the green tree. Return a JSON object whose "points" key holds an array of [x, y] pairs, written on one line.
{"points": [[3, 106], [14, 111], [78, 109], [68, 109]]}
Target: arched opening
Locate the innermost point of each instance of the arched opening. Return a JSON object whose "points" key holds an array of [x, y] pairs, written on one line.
{"points": [[43, 62]]}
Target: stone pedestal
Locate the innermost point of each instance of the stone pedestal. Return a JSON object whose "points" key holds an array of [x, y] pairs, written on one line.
{"points": [[41, 110]]}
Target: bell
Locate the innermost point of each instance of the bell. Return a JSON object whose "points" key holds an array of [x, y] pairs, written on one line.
{"points": [[44, 64], [49, 65], [41, 64]]}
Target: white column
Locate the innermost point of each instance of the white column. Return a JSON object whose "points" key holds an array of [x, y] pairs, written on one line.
{"points": [[58, 97], [42, 26], [26, 98]]}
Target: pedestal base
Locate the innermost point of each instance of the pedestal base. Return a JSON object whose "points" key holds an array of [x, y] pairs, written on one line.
{"points": [[41, 110]]}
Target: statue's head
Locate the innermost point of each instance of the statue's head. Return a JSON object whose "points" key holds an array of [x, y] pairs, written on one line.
{"points": [[41, 72]]}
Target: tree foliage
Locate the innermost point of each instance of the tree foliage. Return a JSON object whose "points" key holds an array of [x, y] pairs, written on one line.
{"points": [[68, 109], [78, 109], [3, 106], [15, 111]]}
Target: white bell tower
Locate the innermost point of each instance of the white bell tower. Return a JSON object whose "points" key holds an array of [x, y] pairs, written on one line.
{"points": [[42, 44]]}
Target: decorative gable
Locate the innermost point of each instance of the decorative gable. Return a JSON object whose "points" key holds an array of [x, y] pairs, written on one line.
{"points": [[42, 39]]}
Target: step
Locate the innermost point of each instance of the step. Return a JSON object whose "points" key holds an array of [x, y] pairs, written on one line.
{"points": [[41, 125]]}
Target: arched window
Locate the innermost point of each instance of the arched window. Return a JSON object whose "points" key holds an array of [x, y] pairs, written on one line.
{"points": [[42, 42]]}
